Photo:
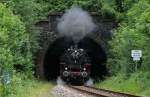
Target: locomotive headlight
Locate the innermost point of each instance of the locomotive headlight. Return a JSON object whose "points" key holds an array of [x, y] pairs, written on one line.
{"points": [[66, 68], [84, 74], [84, 69], [65, 73]]}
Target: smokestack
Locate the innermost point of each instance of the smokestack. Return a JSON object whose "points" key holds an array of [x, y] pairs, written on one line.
{"points": [[75, 23]]}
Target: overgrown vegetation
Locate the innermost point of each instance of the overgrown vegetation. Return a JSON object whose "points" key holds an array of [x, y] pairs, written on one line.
{"points": [[23, 87], [137, 83], [102, 7], [27, 11], [18, 36], [14, 46], [133, 33], [18, 41]]}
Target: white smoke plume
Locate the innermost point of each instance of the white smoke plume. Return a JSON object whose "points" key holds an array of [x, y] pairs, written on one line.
{"points": [[75, 23], [60, 81], [89, 82]]}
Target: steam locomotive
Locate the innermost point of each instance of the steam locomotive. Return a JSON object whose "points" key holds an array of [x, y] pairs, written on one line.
{"points": [[75, 65]]}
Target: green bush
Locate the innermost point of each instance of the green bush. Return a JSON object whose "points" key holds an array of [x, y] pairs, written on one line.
{"points": [[121, 84], [102, 7], [24, 87], [133, 33], [14, 48], [138, 83], [25, 9], [29, 12], [14, 41]]}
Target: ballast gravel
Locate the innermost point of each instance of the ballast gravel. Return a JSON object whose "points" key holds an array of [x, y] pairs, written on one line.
{"points": [[62, 91]]}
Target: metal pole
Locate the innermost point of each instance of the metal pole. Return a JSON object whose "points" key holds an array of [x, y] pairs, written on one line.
{"points": [[136, 63]]}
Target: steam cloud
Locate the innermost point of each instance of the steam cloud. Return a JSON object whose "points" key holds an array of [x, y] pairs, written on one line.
{"points": [[89, 82], [75, 23], [60, 81]]}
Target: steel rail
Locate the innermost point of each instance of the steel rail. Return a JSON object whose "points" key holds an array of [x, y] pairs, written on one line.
{"points": [[96, 92]]}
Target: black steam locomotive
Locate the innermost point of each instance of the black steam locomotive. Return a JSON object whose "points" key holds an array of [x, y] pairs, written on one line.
{"points": [[75, 65]]}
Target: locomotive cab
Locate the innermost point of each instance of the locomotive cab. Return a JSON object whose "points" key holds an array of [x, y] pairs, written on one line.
{"points": [[75, 65]]}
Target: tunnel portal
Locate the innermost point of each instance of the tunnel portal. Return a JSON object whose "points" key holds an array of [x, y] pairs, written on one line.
{"points": [[47, 56], [57, 48]]}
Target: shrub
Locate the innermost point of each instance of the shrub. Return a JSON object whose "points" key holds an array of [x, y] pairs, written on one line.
{"points": [[14, 41], [133, 33]]}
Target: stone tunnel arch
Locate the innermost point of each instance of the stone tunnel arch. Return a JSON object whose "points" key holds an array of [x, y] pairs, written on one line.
{"points": [[57, 48], [49, 37]]}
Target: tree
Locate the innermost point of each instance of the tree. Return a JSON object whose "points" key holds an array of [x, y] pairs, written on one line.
{"points": [[133, 33], [14, 44]]}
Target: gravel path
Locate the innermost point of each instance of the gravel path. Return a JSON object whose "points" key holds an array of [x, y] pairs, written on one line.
{"points": [[62, 91]]}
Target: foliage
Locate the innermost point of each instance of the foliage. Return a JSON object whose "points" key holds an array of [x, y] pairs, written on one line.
{"points": [[15, 46], [29, 13], [18, 37], [127, 4], [24, 87], [25, 9], [137, 84], [133, 33], [102, 7]]}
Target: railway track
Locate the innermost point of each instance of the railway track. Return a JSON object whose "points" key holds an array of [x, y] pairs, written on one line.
{"points": [[95, 92]]}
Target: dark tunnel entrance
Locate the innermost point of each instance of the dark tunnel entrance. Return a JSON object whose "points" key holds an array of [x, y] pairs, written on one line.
{"points": [[94, 50]]}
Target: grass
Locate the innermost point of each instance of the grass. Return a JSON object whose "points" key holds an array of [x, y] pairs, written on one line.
{"points": [[0, 89], [29, 88], [21, 86], [137, 83], [39, 89], [42, 89]]}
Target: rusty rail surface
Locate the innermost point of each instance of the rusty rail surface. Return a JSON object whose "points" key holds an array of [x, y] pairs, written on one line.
{"points": [[96, 92]]}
